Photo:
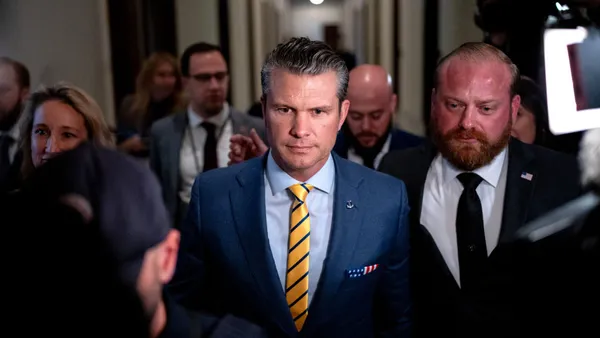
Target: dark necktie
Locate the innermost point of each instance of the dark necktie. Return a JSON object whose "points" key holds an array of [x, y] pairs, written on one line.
{"points": [[470, 235], [210, 146], [5, 143]]}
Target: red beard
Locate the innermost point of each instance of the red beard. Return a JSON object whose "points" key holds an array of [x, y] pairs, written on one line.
{"points": [[469, 156]]}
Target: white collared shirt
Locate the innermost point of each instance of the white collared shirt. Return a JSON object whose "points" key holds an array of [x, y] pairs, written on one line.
{"points": [[278, 202], [187, 163], [440, 203], [354, 157]]}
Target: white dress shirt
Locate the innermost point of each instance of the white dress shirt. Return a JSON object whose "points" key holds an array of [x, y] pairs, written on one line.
{"points": [[278, 203], [187, 162], [440, 203], [354, 157]]}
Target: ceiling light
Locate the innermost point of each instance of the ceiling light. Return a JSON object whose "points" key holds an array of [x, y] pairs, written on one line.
{"points": [[316, 2]]}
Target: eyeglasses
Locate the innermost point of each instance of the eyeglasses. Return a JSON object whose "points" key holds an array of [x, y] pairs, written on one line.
{"points": [[206, 77]]}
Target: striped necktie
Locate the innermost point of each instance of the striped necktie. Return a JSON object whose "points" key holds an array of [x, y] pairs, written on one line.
{"points": [[296, 285]]}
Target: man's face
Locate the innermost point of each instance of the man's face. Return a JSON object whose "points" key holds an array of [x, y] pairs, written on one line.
{"points": [[472, 112], [208, 82], [11, 96], [370, 114], [303, 116]]}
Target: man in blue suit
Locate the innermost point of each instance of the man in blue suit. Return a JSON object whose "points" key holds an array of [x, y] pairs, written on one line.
{"points": [[299, 241]]}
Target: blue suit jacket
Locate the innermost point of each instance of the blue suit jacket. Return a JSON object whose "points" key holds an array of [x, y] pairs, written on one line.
{"points": [[226, 266]]}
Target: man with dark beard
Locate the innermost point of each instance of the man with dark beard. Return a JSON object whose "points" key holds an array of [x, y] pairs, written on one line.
{"points": [[470, 190], [14, 89], [368, 133]]}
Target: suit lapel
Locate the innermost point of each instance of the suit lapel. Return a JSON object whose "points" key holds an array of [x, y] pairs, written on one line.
{"points": [[421, 240], [236, 123], [518, 190], [345, 231], [173, 147], [248, 205], [415, 181]]}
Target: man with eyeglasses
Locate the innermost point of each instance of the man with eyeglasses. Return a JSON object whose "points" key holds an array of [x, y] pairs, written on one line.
{"points": [[197, 140]]}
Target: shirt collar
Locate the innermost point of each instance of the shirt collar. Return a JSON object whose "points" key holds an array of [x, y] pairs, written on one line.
{"points": [[279, 180], [490, 173], [14, 131], [195, 119]]}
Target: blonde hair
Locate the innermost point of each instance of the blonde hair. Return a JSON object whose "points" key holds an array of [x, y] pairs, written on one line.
{"points": [[145, 81], [98, 131], [480, 51]]}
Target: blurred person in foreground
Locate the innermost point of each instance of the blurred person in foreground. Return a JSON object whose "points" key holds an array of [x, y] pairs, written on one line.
{"points": [[120, 197], [470, 190], [300, 241], [368, 133]]}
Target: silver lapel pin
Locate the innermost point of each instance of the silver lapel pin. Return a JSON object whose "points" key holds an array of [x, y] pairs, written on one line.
{"points": [[349, 205]]}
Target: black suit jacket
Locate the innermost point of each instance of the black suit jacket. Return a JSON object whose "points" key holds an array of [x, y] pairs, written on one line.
{"points": [[12, 180], [522, 289]]}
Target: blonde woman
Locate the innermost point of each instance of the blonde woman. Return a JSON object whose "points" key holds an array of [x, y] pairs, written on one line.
{"points": [[57, 119], [158, 94]]}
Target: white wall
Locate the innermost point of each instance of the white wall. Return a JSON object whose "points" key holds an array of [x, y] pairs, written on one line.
{"points": [[456, 25], [308, 19], [412, 36], [61, 40], [197, 20], [240, 53]]}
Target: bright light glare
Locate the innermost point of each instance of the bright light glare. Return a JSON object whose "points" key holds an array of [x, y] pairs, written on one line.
{"points": [[316, 2], [563, 115]]}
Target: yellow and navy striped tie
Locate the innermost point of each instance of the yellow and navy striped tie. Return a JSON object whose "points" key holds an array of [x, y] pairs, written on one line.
{"points": [[296, 285]]}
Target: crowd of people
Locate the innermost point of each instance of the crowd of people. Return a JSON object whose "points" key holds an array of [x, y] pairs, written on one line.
{"points": [[320, 218]]}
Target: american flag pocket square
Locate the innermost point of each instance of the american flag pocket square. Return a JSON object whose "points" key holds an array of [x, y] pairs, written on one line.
{"points": [[353, 273]]}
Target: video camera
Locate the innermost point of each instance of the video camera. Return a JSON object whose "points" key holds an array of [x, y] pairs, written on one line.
{"points": [[571, 47]]}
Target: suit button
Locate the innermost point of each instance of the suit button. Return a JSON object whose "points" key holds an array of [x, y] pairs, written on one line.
{"points": [[472, 248]]}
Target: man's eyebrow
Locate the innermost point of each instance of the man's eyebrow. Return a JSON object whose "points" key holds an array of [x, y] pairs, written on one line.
{"points": [[324, 107], [489, 101]]}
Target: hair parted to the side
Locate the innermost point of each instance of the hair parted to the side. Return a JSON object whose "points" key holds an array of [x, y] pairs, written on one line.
{"points": [[197, 48], [477, 52], [302, 56], [98, 131]]}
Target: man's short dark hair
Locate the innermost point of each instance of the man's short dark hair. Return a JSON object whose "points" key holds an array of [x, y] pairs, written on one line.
{"points": [[302, 56], [197, 48], [23, 78]]}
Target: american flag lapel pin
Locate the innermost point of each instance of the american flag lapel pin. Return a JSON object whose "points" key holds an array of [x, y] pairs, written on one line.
{"points": [[353, 273], [526, 176]]}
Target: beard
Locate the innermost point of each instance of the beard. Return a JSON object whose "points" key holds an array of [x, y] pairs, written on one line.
{"points": [[465, 156]]}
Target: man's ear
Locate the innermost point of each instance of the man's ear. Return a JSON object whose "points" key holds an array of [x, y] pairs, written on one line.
{"points": [[432, 103], [168, 251], [515, 104], [263, 105], [344, 108], [394, 104], [24, 94]]}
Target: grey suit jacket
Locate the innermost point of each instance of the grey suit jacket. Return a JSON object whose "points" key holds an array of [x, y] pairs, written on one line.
{"points": [[166, 138]]}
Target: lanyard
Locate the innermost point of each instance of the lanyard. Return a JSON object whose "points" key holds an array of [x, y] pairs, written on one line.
{"points": [[190, 132]]}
